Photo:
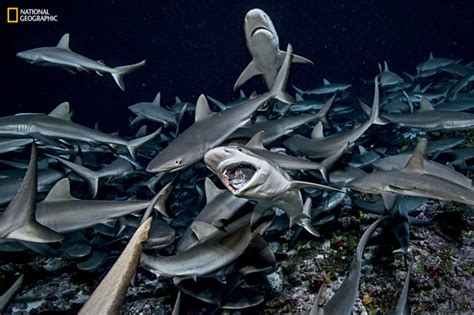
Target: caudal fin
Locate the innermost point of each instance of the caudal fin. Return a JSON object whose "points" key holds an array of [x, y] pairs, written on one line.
{"points": [[120, 72], [328, 162], [278, 88], [18, 222], [374, 114], [132, 145], [323, 112], [305, 220], [89, 176], [375, 111]]}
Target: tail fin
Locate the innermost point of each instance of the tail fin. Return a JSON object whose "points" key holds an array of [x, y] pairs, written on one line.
{"points": [[18, 222], [120, 72], [323, 112], [328, 162], [366, 109], [374, 114], [89, 176], [300, 91], [132, 145], [278, 88], [306, 220]]}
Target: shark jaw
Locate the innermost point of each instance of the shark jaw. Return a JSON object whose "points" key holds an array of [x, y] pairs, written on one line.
{"points": [[237, 168], [238, 176], [260, 29]]}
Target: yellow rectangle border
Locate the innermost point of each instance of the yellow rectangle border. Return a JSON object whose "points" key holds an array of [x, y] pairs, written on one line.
{"points": [[9, 12]]}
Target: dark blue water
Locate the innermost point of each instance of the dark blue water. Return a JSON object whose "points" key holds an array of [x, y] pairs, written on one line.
{"points": [[195, 47]]}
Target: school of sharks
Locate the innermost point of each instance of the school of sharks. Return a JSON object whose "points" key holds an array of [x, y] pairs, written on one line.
{"points": [[265, 164]]}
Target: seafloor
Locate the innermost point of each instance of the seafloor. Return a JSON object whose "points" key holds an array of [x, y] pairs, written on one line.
{"points": [[441, 282]]}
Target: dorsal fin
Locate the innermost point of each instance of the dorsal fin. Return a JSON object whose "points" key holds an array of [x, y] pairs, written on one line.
{"points": [[64, 42], [203, 230], [318, 132], [298, 97], [211, 190], [326, 82], [61, 111], [219, 104], [417, 88], [141, 132], [425, 105], [385, 66], [242, 94], [202, 109], [423, 90], [177, 100], [157, 99], [61, 191], [253, 95], [18, 221], [431, 55], [380, 67], [257, 141], [362, 150], [415, 163], [132, 198]]}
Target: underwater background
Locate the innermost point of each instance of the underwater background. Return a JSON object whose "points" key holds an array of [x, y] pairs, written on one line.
{"points": [[198, 47], [195, 47]]}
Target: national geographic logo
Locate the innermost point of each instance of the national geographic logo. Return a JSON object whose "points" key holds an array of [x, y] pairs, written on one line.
{"points": [[19, 15]]}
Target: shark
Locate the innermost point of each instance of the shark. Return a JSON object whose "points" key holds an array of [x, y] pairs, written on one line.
{"points": [[289, 162], [327, 88], [18, 221], [63, 213], [248, 175], [276, 128], [343, 300], [264, 47], [428, 118], [396, 162], [109, 296], [220, 205], [202, 259], [320, 146], [211, 128], [433, 64], [456, 106], [152, 111], [10, 185], [119, 167], [10, 293], [413, 180], [62, 56], [58, 126], [8, 145], [388, 78]]}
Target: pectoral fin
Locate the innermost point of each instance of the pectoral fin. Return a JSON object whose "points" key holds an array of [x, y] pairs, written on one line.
{"points": [[389, 200], [250, 71]]}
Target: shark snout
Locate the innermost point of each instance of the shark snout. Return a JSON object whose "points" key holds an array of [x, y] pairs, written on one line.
{"points": [[255, 14], [20, 55]]}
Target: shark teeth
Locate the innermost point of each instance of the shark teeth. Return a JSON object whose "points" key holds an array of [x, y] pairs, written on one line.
{"points": [[239, 174]]}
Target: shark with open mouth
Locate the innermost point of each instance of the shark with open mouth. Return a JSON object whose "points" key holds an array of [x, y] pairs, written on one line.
{"points": [[248, 175]]}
